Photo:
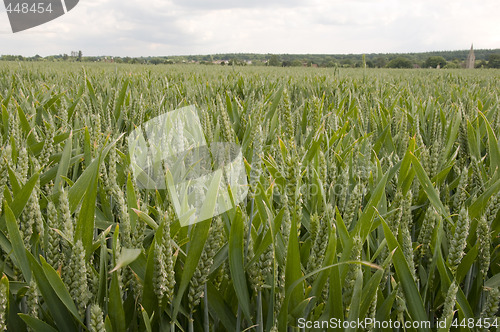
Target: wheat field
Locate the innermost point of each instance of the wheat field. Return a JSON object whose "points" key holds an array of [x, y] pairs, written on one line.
{"points": [[372, 194]]}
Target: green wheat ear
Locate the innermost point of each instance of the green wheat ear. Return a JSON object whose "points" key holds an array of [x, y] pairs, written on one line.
{"points": [[459, 240], [212, 245], [32, 300], [484, 240], [490, 306], [66, 216], [76, 272], [164, 274], [493, 208], [449, 304], [431, 219], [31, 219], [4, 296], [96, 322], [5, 152]]}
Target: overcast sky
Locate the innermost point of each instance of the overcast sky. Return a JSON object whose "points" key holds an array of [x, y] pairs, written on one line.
{"points": [[180, 27]]}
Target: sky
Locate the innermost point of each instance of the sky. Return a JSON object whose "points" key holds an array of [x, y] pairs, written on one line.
{"points": [[184, 27]]}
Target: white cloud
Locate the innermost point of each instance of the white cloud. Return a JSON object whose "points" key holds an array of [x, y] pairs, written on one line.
{"points": [[161, 27]]}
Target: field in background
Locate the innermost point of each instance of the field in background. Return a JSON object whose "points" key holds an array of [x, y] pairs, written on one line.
{"points": [[373, 193]]}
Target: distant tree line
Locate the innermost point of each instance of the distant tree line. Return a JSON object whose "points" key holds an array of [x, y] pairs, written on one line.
{"points": [[444, 59]]}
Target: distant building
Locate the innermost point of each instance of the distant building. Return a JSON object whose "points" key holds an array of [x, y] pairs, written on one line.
{"points": [[471, 59]]}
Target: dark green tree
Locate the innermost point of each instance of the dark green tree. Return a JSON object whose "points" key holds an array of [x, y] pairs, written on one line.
{"points": [[494, 61], [328, 63], [380, 62], [274, 61], [400, 62], [156, 61], [452, 65], [346, 63], [434, 61], [480, 64]]}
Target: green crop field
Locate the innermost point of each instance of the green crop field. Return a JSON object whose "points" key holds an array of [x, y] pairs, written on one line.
{"points": [[372, 194]]}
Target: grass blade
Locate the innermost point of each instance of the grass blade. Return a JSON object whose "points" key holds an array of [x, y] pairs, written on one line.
{"points": [[17, 243], [236, 263]]}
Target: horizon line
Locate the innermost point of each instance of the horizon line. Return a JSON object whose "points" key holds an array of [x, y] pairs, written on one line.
{"points": [[257, 53]]}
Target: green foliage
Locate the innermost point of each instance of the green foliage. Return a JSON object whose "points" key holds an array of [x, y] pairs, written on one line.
{"points": [[274, 60], [400, 62], [494, 61], [434, 61]]}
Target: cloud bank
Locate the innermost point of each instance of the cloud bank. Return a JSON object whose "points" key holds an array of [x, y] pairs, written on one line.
{"points": [[175, 27]]}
